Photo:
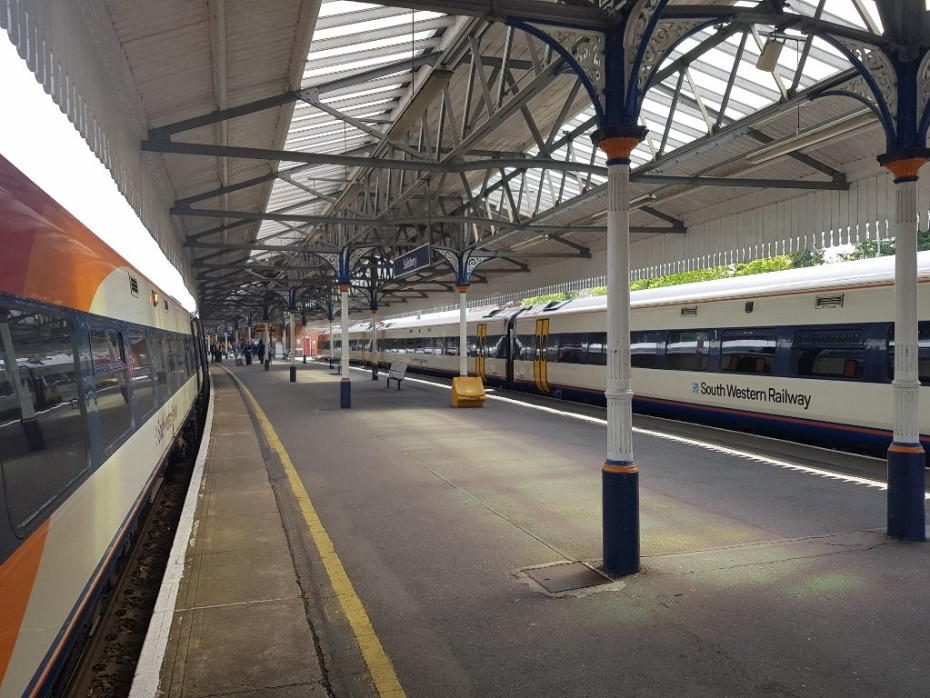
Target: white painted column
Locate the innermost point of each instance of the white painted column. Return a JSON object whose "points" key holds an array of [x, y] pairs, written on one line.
{"points": [[374, 344], [293, 340], [344, 365], [906, 381], [619, 476], [619, 390], [463, 331], [906, 456], [331, 345]]}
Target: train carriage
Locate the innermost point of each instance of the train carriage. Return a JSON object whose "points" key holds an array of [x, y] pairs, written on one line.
{"points": [[100, 371], [803, 353], [432, 344], [807, 353]]}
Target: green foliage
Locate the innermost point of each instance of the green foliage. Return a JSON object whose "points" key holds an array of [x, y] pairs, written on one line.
{"points": [[683, 277], [866, 249], [763, 266], [549, 297], [807, 258]]}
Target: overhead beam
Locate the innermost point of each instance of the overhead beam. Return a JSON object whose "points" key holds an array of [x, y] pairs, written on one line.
{"points": [[673, 180], [322, 159], [387, 222]]}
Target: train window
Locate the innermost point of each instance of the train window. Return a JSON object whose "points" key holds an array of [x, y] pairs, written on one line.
{"points": [[923, 353], [111, 385], [472, 345], [160, 356], [525, 347], [495, 346], [828, 353], [551, 347], [143, 387], [596, 349], [570, 347], [452, 346], [42, 446], [175, 362], [749, 350], [687, 350], [644, 349]]}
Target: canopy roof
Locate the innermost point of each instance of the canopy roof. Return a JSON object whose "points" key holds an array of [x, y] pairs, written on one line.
{"points": [[301, 127]]}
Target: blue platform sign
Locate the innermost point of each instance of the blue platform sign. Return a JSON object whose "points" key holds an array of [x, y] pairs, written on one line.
{"points": [[410, 262]]}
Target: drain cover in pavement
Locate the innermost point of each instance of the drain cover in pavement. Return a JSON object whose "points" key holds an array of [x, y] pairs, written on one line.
{"points": [[566, 577]]}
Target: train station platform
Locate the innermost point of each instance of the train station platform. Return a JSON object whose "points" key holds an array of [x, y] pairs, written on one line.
{"points": [[403, 547]]}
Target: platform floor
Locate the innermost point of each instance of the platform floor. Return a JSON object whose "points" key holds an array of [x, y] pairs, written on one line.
{"points": [[757, 579]]}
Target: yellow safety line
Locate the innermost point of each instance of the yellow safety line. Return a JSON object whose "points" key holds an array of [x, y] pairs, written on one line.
{"points": [[379, 665]]}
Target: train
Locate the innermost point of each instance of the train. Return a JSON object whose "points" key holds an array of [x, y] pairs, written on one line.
{"points": [[803, 354], [101, 375]]}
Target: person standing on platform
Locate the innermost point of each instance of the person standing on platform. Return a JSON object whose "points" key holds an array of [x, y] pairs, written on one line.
{"points": [[247, 351], [213, 351], [261, 351]]}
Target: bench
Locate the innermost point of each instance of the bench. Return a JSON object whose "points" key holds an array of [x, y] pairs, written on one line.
{"points": [[396, 372]]}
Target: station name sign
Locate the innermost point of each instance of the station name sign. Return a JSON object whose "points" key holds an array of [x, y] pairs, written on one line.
{"points": [[412, 261]]}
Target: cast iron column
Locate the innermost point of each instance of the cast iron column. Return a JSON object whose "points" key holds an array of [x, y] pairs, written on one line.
{"points": [[620, 476], [293, 348], [374, 344], [906, 461], [463, 330], [345, 385]]}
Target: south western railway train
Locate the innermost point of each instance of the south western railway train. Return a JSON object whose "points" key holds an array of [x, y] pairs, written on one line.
{"points": [[99, 373], [805, 354]]}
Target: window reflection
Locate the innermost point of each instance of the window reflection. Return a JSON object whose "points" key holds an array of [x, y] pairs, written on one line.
{"points": [[42, 446]]}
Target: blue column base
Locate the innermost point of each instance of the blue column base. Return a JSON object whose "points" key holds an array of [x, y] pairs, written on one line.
{"points": [[293, 374], [374, 373], [345, 393], [267, 364], [906, 484], [620, 486]]}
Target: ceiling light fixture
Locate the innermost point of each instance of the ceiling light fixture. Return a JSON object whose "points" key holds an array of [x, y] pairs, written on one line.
{"points": [[811, 136], [768, 58]]}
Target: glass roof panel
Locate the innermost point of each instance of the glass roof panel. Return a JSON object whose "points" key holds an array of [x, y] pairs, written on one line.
{"points": [[354, 38]]}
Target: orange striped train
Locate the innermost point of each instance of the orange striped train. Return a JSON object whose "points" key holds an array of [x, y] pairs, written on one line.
{"points": [[99, 374]]}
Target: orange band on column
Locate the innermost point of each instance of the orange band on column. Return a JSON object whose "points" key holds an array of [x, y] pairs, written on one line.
{"points": [[906, 168], [344, 287], [620, 468], [620, 147], [898, 448]]}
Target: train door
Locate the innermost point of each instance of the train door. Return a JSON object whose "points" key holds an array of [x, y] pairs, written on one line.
{"points": [[481, 350], [540, 371]]}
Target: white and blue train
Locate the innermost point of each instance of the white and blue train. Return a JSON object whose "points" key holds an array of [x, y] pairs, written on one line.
{"points": [[805, 354]]}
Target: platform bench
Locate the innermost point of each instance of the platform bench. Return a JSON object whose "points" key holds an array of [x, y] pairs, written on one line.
{"points": [[396, 372]]}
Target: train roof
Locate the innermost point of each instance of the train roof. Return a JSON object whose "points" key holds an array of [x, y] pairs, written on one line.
{"points": [[48, 254], [865, 272]]}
